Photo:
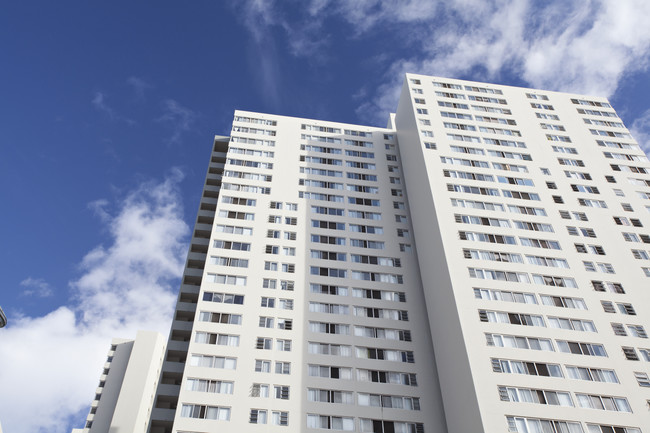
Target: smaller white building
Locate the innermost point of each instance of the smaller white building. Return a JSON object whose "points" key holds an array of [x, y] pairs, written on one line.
{"points": [[127, 386]]}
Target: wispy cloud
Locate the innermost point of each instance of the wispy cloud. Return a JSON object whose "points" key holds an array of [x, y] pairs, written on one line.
{"points": [[36, 287], [582, 46], [100, 104], [124, 286], [179, 118], [99, 207], [139, 86], [259, 17], [640, 130]]}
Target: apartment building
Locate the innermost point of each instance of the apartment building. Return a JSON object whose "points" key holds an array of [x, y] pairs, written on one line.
{"points": [[480, 265], [127, 385], [532, 220]]}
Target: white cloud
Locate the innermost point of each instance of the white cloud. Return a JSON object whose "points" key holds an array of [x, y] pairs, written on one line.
{"points": [[367, 14], [139, 86], [259, 17], [36, 286], [99, 103], [51, 363], [640, 130], [581, 46], [179, 117]]}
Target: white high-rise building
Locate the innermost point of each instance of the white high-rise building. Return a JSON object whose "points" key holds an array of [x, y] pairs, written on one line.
{"points": [[480, 265], [531, 215]]}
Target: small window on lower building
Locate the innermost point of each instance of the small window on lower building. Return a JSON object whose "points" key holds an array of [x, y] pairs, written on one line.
{"points": [[630, 353], [257, 416], [280, 418]]}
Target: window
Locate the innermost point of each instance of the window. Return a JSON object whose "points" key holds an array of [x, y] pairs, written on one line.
{"points": [[329, 328], [390, 401], [225, 298], [257, 416], [328, 290], [642, 379], [329, 349], [550, 280], [280, 418], [329, 396], [228, 245], [330, 372], [232, 319], [286, 324], [490, 274], [217, 339], [282, 367], [563, 302], [505, 295], [267, 302], [213, 386], [262, 366], [283, 345], [618, 404], [525, 367], [519, 342], [383, 333], [381, 426], [525, 425], [511, 318], [330, 422], [213, 361], [205, 412], [234, 229], [539, 396], [572, 324], [578, 348], [264, 343], [605, 286], [229, 261], [626, 309], [591, 374], [637, 331], [630, 354], [385, 354], [266, 322], [281, 392]]}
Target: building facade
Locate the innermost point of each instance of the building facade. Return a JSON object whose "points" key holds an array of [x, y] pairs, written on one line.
{"points": [[480, 265], [532, 232], [304, 308], [127, 385]]}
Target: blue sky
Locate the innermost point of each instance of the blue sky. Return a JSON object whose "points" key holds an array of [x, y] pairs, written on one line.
{"points": [[107, 113]]}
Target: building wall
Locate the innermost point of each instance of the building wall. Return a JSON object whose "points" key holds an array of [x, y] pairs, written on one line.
{"points": [[124, 396], [505, 208], [166, 400], [292, 186], [554, 139], [457, 384]]}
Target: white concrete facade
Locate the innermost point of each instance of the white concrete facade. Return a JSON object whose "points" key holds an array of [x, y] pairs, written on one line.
{"points": [[310, 312], [532, 209], [127, 387], [481, 265]]}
